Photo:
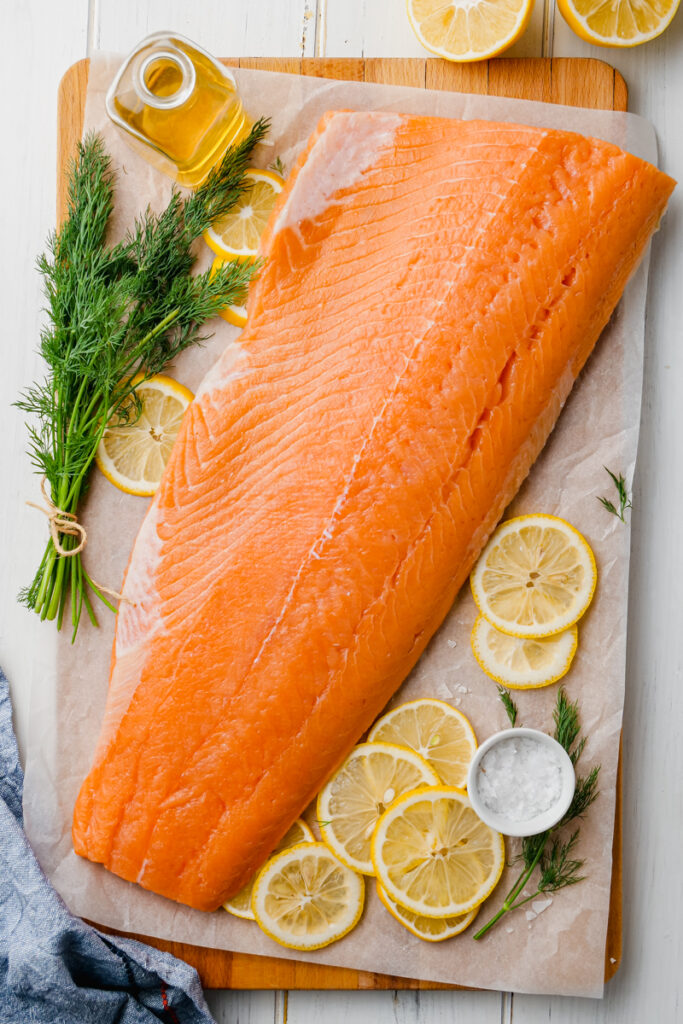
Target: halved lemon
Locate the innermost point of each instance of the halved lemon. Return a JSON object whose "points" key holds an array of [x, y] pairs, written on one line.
{"points": [[467, 30], [236, 314], [305, 898], [437, 731], [434, 856], [135, 448], [522, 663], [238, 234], [535, 577], [627, 23], [431, 929], [353, 801], [240, 904]]}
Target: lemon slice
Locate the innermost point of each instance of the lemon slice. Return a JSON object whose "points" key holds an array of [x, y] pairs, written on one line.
{"points": [[238, 234], [134, 449], [431, 929], [305, 898], [236, 314], [437, 731], [434, 856], [240, 904], [352, 802], [627, 23], [535, 577], [523, 663], [465, 30]]}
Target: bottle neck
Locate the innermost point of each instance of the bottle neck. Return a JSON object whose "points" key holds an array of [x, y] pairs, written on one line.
{"points": [[165, 79]]}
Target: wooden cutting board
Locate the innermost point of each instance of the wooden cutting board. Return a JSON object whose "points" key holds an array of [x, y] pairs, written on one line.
{"points": [[579, 82]]}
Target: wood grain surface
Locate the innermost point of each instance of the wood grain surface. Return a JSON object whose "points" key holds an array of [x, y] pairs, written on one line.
{"points": [[582, 82]]}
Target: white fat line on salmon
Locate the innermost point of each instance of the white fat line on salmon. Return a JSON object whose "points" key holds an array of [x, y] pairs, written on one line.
{"points": [[357, 149], [327, 534], [225, 370]]}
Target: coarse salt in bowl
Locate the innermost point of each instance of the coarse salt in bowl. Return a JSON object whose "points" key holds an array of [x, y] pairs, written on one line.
{"points": [[521, 782]]}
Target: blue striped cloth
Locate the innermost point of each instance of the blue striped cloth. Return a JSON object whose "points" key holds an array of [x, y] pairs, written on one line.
{"points": [[54, 968]]}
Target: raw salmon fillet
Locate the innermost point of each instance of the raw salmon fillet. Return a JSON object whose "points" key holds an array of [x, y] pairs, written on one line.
{"points": [[431, 290]]}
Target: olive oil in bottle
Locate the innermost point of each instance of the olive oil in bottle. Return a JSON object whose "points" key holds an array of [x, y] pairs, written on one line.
{"points": [[177, 106]]}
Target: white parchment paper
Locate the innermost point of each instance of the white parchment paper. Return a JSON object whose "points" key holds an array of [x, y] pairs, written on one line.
{"points": [[559, 950]]}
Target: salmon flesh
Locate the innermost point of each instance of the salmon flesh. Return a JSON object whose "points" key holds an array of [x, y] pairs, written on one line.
{"points": [[431, 289]]}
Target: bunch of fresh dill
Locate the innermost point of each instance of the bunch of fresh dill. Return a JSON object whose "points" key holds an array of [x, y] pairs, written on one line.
{"points": [[548, 851], [117, 315]]}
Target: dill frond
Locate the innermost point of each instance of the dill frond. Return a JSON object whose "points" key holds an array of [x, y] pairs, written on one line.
{"points": [[622, 494], [508, 703], [115, 313]]}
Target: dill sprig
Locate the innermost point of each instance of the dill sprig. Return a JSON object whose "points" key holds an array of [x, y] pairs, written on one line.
{"points": [[116, 316], [622, 494], [508, 703], [278, 166], [549, 851]]}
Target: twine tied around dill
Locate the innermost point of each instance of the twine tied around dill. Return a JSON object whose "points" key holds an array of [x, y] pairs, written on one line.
{"points": [[66, 523]]}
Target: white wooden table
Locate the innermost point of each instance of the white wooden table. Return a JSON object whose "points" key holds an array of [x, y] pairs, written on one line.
{"points": [[41, 38]]}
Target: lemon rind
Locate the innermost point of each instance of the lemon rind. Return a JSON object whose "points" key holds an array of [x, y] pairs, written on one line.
{"points": [[244, 915], [298, 946], [505, 681], [565, 624], [230, 315], [390, 905], [436, 791]]}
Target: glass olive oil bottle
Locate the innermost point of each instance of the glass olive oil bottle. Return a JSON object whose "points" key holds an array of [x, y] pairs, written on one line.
{"points": [[177, 106]]}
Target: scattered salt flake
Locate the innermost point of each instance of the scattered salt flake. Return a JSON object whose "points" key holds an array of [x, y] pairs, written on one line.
{"points": [[540, 905], [451, 643], [531, 915], [462, 689], [509, 930], [612, 960], [457, 701]]}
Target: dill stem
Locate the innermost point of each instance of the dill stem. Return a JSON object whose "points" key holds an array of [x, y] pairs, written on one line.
{"points": [[509, 901], [42, 597], [101, 301], [93, 586], [55, 595], [42, 575], [159, 329], [86, 601]]}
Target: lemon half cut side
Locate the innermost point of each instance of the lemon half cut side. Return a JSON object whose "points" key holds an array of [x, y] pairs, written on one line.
{"points": [[468, 30], [623, 24]]}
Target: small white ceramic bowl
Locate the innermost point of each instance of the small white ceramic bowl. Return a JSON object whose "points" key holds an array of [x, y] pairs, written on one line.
{"points": [[541, 822]]}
